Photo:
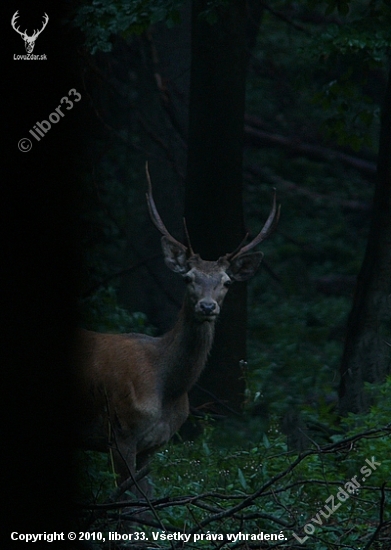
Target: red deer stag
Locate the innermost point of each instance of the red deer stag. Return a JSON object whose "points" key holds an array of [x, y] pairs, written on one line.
{"points": [[137, 386]]}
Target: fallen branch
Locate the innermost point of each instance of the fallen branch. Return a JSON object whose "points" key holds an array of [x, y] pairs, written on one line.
{"points": [[381, 519], [286, 185], [256, 137]]}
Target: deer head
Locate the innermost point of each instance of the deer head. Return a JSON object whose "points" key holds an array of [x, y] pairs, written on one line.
{"points": [[29, 41], [208, 281]]}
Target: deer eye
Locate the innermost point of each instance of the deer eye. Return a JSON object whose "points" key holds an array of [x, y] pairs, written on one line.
{"points": [[187, 278], [228, 283]]}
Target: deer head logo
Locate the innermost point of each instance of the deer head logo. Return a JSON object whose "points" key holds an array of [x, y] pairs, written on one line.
{"points": [[29, 41]]}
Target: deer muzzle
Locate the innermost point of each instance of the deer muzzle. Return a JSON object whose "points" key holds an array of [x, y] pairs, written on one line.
{"points": [[207, 309]]}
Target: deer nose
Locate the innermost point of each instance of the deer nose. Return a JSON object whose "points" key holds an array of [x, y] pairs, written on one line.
{"points": [[207, 307]]}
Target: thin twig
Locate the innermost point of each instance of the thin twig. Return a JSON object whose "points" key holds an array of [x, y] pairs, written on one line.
{"points": [[133, 267], [286, 19], [249, 500], [381, 518]]}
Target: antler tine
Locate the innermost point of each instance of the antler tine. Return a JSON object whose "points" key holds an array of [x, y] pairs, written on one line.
{"points": [[238, 248], [13, 23], [155, 217], [267, 229], [45, 21], [36, 33], [191, 251]]}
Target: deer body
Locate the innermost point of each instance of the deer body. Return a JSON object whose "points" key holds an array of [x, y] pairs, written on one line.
{"points": [[144, 397], [135, 387]]}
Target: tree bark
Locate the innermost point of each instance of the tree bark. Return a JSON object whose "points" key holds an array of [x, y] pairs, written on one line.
{"points": [[213, 197], [366, 356]]}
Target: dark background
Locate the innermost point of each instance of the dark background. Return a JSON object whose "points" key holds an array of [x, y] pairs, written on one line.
{"points": [[41, 267]]}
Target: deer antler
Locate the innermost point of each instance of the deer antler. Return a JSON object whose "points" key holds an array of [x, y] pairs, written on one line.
{"points": [[37, 33], [266, 230], [191, 251], [24, 34], [13, 21], [155, 217]]}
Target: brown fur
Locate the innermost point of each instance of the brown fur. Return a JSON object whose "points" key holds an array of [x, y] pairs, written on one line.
{"points": [[134, 387]]}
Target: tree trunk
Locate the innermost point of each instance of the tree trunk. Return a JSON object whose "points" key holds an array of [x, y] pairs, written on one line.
{"points": [[213, 197], [366, 356]]}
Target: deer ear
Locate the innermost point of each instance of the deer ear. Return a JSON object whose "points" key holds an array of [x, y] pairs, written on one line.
{"points": [[174, 256], [244, 267]]}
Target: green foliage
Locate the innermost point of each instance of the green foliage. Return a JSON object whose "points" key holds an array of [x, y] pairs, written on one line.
{"points": [[109, 202], [342, 6], [350, 126], [103, 314], [299, 366], [361, 44], [101, 20], [213, 10], [96, 476], [257, 484], [378, 415], [334, 62], [296, 331]]}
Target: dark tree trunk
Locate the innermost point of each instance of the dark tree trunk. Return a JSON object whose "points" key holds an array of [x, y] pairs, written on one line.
{"points": [[213, 198], [367, 354]]}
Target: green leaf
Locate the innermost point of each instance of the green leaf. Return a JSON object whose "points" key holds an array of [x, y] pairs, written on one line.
{"points": [[266, 441], [242, 479]]}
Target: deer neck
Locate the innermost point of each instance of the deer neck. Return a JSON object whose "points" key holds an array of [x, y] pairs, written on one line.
{"points": [[186, 349]]}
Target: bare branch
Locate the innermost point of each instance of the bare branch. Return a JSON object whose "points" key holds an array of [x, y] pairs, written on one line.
{"points": [[258, 137], [381, 519]]}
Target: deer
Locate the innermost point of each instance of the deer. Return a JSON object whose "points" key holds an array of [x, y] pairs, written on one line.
{"points": [[135, 385], [29, 41]]}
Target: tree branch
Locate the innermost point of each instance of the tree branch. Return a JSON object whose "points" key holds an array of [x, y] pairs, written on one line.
{"points": [[256, 137], [299, 190], [381, 519], [286, 19]]}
